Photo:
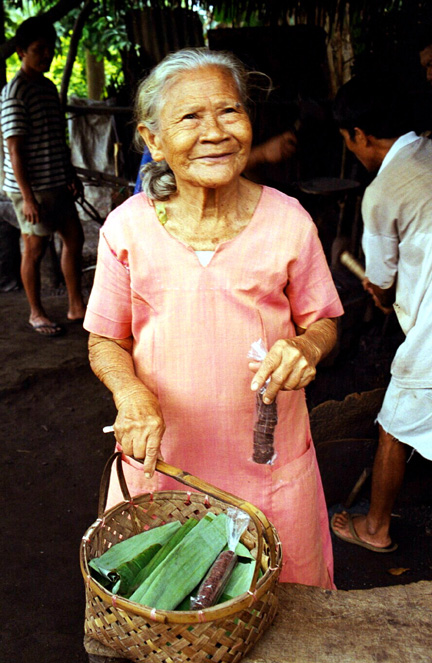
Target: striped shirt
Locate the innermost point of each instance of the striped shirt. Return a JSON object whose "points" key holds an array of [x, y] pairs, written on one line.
{"points": [[32, 109]]}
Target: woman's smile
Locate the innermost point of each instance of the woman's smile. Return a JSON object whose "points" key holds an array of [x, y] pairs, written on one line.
{"points": [[214, 158]]}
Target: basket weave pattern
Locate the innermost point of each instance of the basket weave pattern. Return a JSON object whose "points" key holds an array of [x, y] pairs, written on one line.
{"points": [[222, 633]]}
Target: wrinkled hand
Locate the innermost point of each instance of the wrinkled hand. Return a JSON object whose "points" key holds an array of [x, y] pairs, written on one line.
{"points": [[290, 364], [139, 428], [31, 210]]}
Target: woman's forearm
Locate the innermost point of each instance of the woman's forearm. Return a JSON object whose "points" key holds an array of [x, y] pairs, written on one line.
{"points": [[139, 425], [111, 361], [321, 337]]}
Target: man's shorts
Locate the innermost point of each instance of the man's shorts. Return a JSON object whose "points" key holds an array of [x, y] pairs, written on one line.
{"points": [[407, 415], [57, 207]]}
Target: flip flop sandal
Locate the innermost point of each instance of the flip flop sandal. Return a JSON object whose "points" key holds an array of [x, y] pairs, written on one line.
{"points": [[54, 329], [356, 540]]}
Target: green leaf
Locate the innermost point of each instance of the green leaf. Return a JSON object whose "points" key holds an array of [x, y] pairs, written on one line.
{"points": [[239, 582], [123, 552], [162, 554], [185, 566], [125, 574]]}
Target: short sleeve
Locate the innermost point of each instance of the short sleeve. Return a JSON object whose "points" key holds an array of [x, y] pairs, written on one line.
{"points": [[380, 242], [311, 290], [109, 308], [14, 121]]}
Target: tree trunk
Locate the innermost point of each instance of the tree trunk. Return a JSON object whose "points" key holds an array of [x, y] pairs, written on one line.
{"points": [[2, 39], [73, 48], [95, 72], [347, 48], [340, 53]]}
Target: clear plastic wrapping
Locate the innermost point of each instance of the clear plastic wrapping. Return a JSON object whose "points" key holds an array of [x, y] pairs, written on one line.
{"points": [[266, 416], [217, 577]]}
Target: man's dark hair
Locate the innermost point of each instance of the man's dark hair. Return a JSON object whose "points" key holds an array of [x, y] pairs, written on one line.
{"points": [[376, 104], [424, 37], [34, 28]]}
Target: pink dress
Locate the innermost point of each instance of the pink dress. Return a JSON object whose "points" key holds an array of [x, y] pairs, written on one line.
{"points": [[192, 328]]}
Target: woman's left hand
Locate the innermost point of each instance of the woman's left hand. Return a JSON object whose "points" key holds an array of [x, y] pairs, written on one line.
{"points": [[291, 364]]}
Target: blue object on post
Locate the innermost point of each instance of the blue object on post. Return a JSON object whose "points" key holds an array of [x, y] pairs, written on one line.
{"points": [[146, 158]]}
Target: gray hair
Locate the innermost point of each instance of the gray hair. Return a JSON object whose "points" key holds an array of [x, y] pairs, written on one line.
{"points": [[158, 180]]}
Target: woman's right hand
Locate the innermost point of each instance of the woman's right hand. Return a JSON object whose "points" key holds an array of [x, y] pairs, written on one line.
{"points": [[139, 427]]}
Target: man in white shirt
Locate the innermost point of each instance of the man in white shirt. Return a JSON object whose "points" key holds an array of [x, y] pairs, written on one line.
{"points": [[397, 243]]}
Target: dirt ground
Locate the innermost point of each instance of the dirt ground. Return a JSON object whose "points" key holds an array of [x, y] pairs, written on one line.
{"points": [[52, 410]]}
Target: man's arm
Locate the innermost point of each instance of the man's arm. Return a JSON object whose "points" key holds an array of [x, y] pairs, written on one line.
{"points": [[383, 298], [15, 145], [380, 245], [275, 149]]}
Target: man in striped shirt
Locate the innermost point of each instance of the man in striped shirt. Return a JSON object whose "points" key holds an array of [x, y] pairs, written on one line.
{"points": [[38, 174]]}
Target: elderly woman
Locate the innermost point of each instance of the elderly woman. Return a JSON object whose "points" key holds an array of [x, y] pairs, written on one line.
{"points": [[190, 273]]}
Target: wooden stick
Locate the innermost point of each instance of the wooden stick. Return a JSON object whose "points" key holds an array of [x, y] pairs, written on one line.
{"points": [[358, 486], [348, 260]]}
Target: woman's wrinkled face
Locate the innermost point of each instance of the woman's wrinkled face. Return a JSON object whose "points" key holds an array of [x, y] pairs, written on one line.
{"points": [[205, 133]]}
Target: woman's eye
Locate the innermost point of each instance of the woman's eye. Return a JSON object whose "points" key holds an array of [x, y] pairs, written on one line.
{"points": [[189, 116], [230, 109]]}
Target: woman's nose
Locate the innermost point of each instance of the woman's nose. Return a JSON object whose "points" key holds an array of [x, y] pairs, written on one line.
{"points": [[212, 129]]}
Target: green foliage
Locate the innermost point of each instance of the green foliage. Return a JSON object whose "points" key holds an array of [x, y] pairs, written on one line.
{"points": [[78, 82], [104, 35]]}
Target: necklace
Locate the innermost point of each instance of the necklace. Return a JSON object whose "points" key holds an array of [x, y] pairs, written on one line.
{"points": [[199, 244]]}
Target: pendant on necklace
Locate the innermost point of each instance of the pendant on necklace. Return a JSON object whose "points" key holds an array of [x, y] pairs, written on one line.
{"points": [[161, 212]]}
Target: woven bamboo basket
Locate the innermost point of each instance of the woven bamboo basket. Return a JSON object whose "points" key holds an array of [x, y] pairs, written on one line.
{"points": [[222, 633]]}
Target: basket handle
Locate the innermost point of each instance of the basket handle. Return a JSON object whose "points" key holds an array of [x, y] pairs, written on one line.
{"points": [[259, 519], [105, 480], [208, 489]]}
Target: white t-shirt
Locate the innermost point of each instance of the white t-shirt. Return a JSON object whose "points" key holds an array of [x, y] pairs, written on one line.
{"points": [[397, 242]]}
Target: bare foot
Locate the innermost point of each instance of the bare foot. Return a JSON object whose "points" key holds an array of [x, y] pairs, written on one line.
{"points": [[340, 524], [76, 312]]}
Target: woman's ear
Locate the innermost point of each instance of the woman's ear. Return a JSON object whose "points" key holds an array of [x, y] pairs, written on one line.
{"points": [[153, 143]]}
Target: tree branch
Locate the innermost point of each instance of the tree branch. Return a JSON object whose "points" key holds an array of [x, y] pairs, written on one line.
{"points": [[73, 48]]}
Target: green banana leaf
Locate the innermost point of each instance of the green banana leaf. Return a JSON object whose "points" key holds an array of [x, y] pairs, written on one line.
{"points": [[126, 550], [125, 574], [161, 555]]}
